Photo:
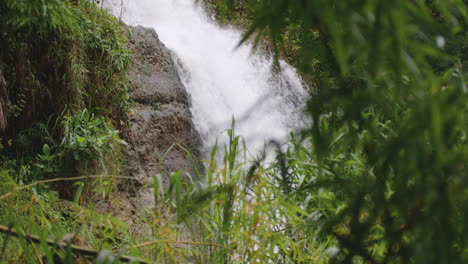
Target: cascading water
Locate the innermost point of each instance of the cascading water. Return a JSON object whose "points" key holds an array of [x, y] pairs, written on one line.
{"points": [[223, 81]]}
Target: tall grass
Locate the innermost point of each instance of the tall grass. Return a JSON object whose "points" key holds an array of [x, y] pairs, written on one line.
{"points": [[239, 214]]}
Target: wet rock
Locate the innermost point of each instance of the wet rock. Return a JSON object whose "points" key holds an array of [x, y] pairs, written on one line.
{"points": [[159, 135], [161, 131]]}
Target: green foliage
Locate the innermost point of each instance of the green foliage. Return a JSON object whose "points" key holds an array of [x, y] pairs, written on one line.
{"points": [[45, 17], [59, 59], [86, 140], [242, 13], [239, 215], [65, 68], [388, 144], [40, 212], [87, 137], [380, 177]]}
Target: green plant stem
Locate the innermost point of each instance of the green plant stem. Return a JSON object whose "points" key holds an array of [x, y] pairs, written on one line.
{"points": [[63, 179], [149, 243]]}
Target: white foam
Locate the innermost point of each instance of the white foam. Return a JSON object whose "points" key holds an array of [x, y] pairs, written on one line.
{"points": [[223, 81]]}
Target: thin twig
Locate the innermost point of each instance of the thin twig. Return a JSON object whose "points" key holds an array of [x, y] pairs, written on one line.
{"points": [[149, 243], [36, 252], [76, 249], [63, 179]]}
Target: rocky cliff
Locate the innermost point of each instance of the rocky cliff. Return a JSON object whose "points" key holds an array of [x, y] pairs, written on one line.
{"points": [[161, 131]]}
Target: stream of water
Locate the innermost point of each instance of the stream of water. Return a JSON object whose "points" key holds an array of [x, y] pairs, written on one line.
{"points": [[223, 81]]}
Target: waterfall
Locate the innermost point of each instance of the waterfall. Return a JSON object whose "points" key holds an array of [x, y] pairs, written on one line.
{"points": [[223, 81]]}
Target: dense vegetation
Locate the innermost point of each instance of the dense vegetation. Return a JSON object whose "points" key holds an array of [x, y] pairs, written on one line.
{"points": [[63, 94], [379, 178], [390, 109], [65, 68]]}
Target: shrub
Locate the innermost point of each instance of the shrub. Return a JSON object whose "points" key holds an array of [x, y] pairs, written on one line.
{"points": [[87, 140]]}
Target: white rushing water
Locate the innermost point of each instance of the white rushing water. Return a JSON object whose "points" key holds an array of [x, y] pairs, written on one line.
{"points": [[223, 81]]}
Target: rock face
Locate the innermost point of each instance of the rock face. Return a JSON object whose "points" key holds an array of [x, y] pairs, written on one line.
{"points": [[161, 131]]}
